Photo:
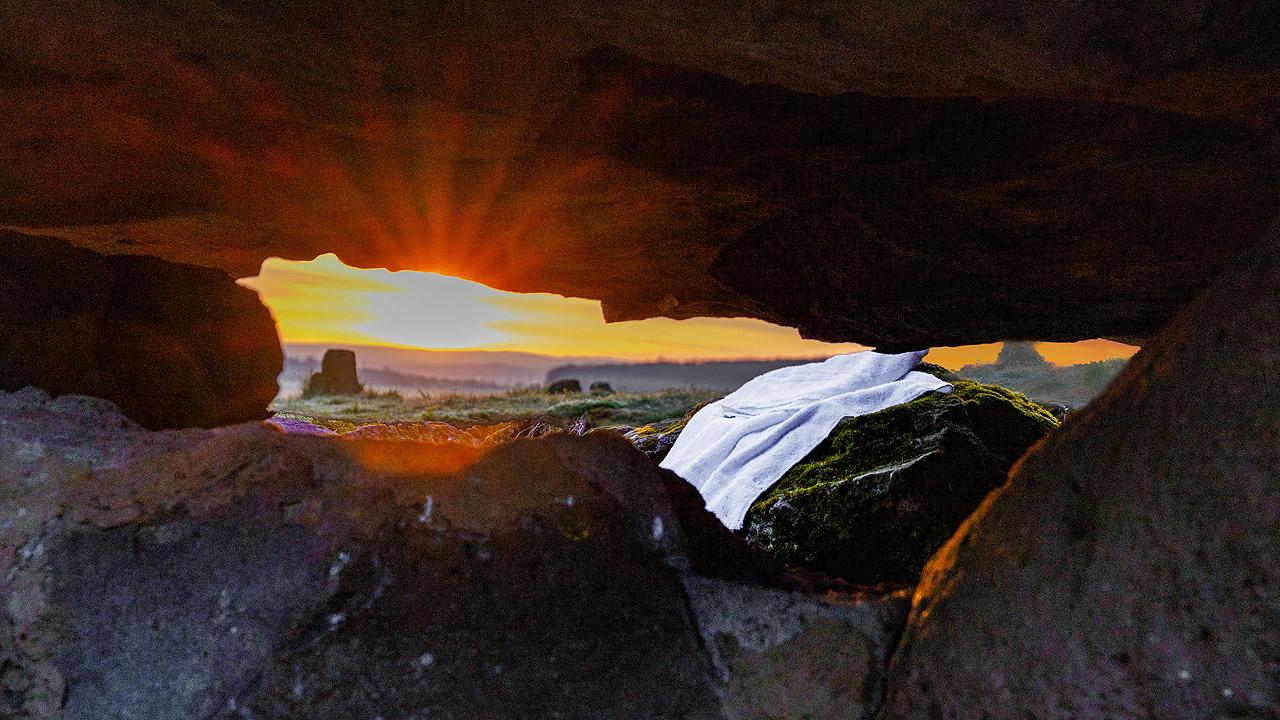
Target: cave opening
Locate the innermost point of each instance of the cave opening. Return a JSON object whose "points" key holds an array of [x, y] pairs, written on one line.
{"points": [[181, 539], [421, 356], [426, 333]]}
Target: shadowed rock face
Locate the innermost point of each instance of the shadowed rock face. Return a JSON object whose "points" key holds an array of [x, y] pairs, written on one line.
{"points": [[218, 573], [1129, 568], [173, 345], [898, 174]]}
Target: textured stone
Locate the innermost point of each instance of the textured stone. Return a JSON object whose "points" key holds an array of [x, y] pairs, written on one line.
{"points": [[1130, 568], [657, 439], [173, 345], [246, 571], [897, 174], [877, 498], [792, 655]]}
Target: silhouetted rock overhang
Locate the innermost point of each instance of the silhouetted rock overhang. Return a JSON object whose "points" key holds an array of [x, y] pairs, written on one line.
{"points": [[172, 345], [893, 174]]}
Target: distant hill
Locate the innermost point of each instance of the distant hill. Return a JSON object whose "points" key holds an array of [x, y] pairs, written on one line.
{"points": [[297, 370], [1021, 367], [434, 371], [648, 377], [473, 371]]}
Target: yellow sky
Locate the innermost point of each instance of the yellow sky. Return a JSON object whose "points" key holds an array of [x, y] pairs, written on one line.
{"points": [[325, 301]]}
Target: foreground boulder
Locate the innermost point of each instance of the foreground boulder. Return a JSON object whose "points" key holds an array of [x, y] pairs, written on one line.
{"points": [[884, 491], [1131, 566], [172, 345], [246, 572]]}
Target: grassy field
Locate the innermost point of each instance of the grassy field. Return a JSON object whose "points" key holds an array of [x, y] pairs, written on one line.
{"points": [[343, 412]]}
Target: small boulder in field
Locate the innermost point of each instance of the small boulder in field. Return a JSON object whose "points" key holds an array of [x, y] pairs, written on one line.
{"points": [[601, 388], [884, 491], [565, 386]]}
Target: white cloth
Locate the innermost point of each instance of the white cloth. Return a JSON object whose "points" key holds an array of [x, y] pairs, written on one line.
{"points": [[736, 448]]}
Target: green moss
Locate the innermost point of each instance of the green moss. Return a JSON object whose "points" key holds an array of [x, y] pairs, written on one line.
{"points": [[656, 439], [885, 490]]}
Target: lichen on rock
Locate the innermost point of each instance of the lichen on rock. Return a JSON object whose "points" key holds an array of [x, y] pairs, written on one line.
{"points": [[656, 439], [884, 491]]}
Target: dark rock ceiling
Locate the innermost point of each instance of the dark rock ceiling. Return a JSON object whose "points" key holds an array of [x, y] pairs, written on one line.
{"points": [[895, 174]]}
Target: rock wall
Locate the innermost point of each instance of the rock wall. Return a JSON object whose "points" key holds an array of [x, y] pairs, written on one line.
{"points": [[173, 345], [1130, 568], [247, 572]]}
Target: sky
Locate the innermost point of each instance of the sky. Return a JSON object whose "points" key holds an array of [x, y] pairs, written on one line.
{"points": [[325, 301]]}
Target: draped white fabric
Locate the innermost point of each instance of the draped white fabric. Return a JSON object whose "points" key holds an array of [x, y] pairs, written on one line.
{"points": [[736, 448]]}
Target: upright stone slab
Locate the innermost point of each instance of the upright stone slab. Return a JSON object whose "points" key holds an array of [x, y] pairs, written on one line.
{"points": [[1130, 568], [1020, 353], [338, 370]]}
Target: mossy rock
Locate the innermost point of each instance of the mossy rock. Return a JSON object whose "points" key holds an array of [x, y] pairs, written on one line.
{"points": [[884, 491], [656, 439]]}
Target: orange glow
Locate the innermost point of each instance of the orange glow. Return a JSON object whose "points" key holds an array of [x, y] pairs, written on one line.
{"points": [[1061, 353], [325, 301], [1057, 353], [402, 458], [957, 357]]}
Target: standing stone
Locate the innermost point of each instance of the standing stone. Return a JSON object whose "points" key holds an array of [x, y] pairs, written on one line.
{"points": [[1130, 568], [339, 372]]}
